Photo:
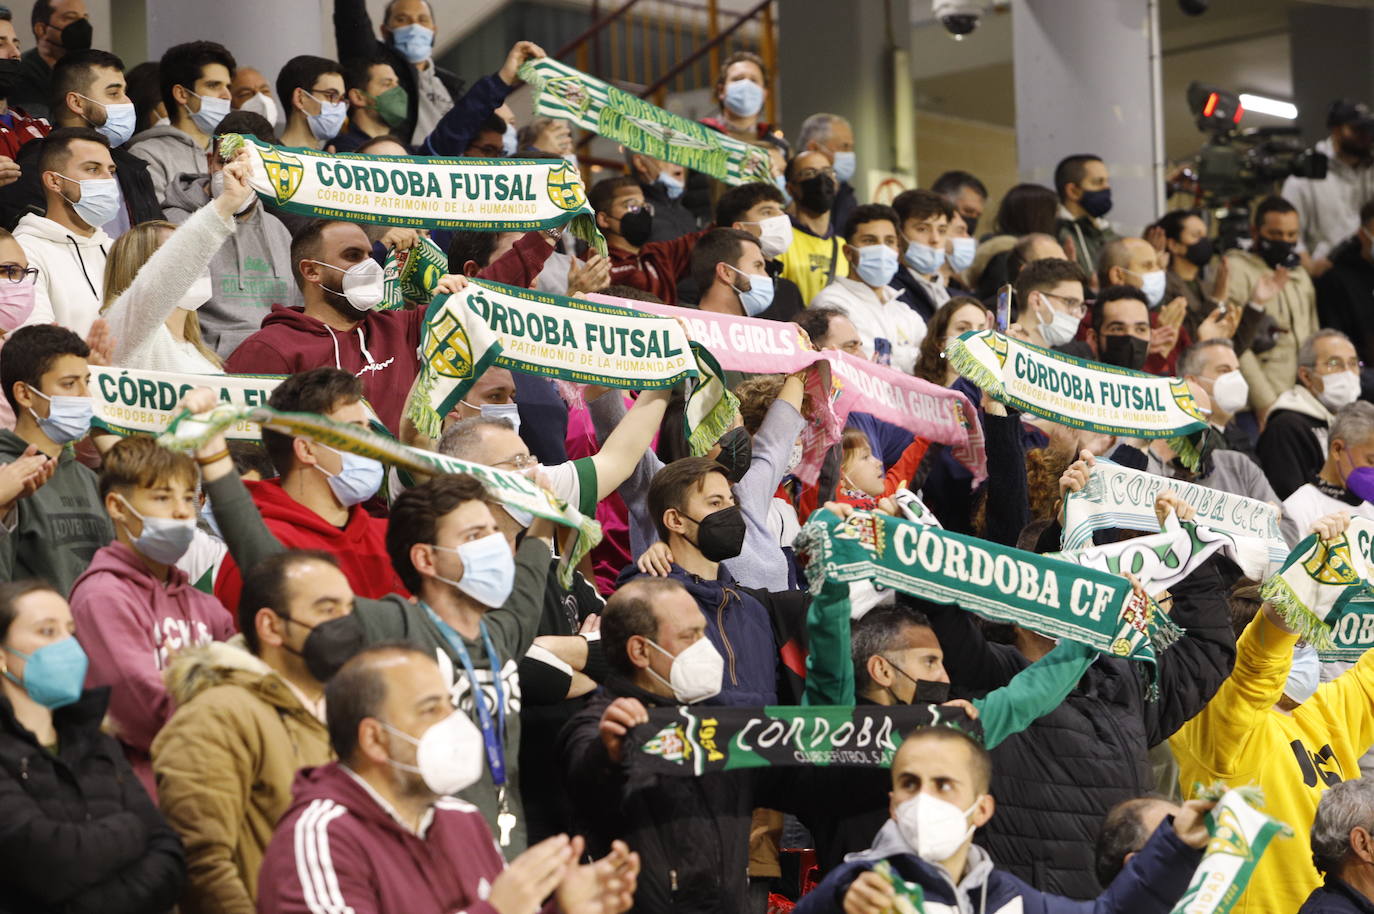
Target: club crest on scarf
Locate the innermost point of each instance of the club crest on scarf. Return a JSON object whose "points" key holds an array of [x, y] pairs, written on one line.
{"points": [[1184, 398], [571, 90], [448, 352], [565, 188], [284, 171]]}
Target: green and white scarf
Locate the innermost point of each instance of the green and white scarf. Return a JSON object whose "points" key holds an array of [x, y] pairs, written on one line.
{"points": [[187, 432], [1118, 497], [410, 276], [568, 339], [1044, 594], [1080, 393], [689, 741], [420, 192], [1325, 592], [133, 401], [1240, 833], [562, 92]]}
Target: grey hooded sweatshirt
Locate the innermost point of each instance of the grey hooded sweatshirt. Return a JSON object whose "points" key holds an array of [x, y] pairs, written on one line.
{"points": [[249, 274], [168, 152]]}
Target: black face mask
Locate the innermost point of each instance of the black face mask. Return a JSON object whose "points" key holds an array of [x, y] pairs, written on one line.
{"points": [[972, 226], [635, 228], [817, 195], [1124, 351], [927, 690], [1199, 253], [720, 534], [76, 36], [332, 644], [1276, 253], [9, 75], [736, 452]]}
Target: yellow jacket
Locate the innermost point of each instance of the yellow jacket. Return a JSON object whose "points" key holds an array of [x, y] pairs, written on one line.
{"points": [[1241, 738], [812, 262]]}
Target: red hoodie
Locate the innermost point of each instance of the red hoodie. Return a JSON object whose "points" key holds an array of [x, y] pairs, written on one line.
{"points": [[381, 349], [360, 546], [129, 624], [338, 849]]}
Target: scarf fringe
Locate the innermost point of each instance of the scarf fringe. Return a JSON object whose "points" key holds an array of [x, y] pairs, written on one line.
{"points": [[968, 366], [1279, 594], [419, 410], [1164, 632], [1187, 451]]}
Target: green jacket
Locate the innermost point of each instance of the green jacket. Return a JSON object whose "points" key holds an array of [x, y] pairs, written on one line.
{"points": [[1031, 693], [394, 618], [57, 529]]}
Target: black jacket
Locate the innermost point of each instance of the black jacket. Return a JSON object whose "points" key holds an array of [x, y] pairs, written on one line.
{"points": [[1056, 780], [913, 293], [26, 194], [1289, 450], [32, 88], [671, 219], [1345, 297], [1336, 897], [77, 831], [357, 42], [692, 834]]}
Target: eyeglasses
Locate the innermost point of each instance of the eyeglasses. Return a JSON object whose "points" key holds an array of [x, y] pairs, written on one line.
{"points": [[16, 273], [1074, 306], [332, 96], [519, 461], [645, 207], [488, 151], [806, 174], [1336, 363]]}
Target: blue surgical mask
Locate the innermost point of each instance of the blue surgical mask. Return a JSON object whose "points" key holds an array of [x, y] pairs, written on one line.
{"points": [[327, 124], [68, 419], [163, 539], [743, 97], [357, 481], [414, 42], [488, 570], [213, 109], [207, 515], [780, 181], [119, 122], [923, 258], [671, 185], [100, 199], [53, 674], [508, 411], [845, 164], [1304, 675], [756, 299], [510, 140], [877, 264], [961, 257]]}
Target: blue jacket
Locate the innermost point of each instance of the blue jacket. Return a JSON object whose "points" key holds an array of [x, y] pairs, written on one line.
{"points": [[741, 628], [455, 130], [1336, 897], [1151, 883]]}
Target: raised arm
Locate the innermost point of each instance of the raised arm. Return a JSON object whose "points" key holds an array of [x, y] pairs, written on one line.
{"points": [[625, 446], [353, 32], [606, 411], [772, 447], [164, 279], [455, 130], [1034, 692]]}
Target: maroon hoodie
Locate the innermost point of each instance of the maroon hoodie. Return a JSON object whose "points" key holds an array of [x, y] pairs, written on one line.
{"points": [[338, 849], [381, 349], [129, 624]]}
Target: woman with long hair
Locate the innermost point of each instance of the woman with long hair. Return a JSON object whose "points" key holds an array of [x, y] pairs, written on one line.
{"points": [[157, 275], [958, 315]]}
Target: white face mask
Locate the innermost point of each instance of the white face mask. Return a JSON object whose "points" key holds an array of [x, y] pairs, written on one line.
{"points": [[697, 672], [1062, 327], [1231, 392], [775, 235], [264, 105], [1152, 284], [1304, 675], [933, 828], [362, 283], [198, 294], [448, 757], [1339, 390]]}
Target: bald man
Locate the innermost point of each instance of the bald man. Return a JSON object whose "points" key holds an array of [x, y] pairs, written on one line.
{"points": [[1135, 262]]}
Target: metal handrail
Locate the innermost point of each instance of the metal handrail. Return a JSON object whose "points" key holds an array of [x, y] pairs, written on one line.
{"points": [[704, 49], [593, 30]]}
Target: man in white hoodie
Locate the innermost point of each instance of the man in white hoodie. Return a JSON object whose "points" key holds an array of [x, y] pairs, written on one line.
{"points": [[67, 245]]}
